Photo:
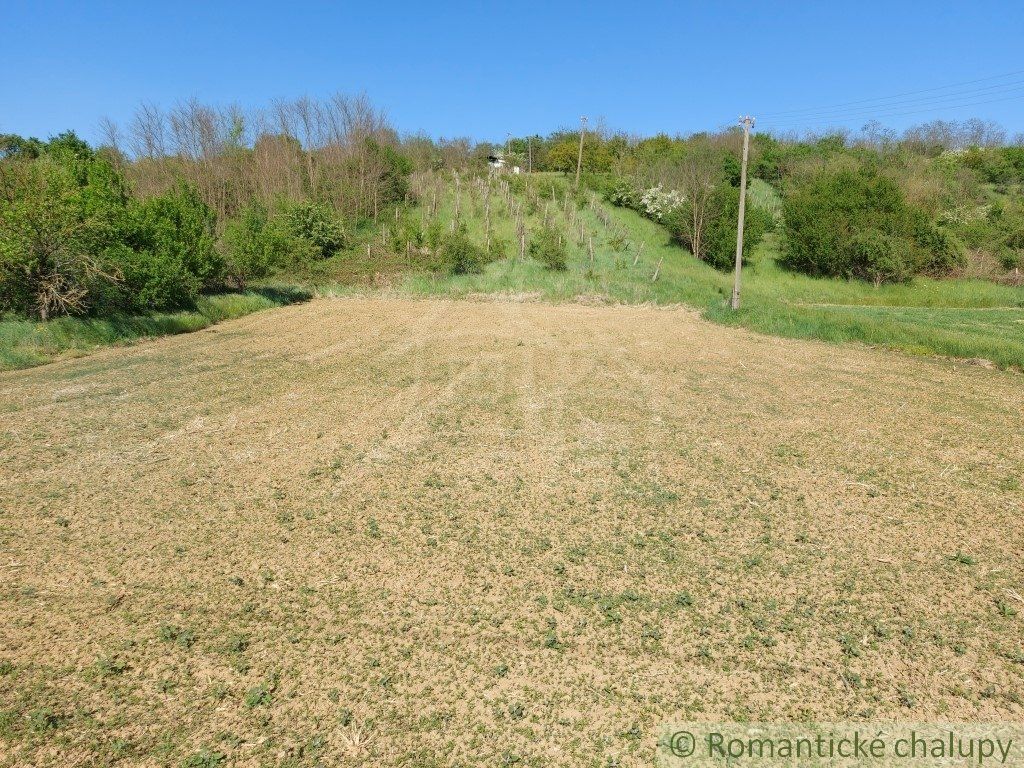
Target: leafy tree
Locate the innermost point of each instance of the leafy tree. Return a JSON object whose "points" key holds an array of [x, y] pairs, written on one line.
{"points": [[562, 155], [58, 211], [878, 257], [13, 146]]}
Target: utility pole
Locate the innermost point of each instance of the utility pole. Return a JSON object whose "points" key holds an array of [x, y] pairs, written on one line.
{"points": [[529, 153], [746, 122], [579, 159]]}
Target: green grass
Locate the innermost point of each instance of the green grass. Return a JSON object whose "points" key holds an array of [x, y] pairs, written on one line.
{"points": [[954, 318], [24, 343]]}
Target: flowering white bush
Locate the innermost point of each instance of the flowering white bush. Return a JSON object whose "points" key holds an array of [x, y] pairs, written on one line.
{"points": [[658, 202], [964, 214]]}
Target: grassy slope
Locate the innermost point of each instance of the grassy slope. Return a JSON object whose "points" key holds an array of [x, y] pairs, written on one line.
{"points": [[24, 343], [957, 318]]}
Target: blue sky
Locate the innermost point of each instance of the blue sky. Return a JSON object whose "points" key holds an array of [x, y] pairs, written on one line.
{"points": [[479, 70]]}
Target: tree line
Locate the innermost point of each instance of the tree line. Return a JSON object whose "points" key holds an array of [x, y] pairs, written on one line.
{"points": [[198, 198], [942, 199]]}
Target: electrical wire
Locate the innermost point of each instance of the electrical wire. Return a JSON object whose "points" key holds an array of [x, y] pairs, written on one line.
{"points": [[811, 121], [922, 103], [874, 102]]}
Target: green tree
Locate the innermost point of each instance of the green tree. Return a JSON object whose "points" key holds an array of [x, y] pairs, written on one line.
{"points": [[59, 209]]}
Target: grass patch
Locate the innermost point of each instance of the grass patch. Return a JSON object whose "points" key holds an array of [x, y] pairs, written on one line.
{"points": [[25, 343]]}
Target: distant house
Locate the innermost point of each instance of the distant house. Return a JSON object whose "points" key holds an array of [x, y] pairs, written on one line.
{"points": [[497, 163]]}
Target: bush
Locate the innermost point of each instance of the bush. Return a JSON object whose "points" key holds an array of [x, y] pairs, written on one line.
{"points": [[178, 226], [720, 229], [315, 224], [858, 224], [150, 281], [624, 195], [943, 251], [548, 247], [878, 257], [1009, 258], [255, 246], [499, 248], [458, 255], [59, 212]]}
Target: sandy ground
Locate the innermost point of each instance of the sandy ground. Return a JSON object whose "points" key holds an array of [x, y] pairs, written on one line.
{"points": [[418, 533]]}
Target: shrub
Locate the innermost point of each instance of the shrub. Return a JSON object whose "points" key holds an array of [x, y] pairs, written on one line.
{"points": [[409, 234], [255, 246], [548, 247], [317, 225], [720, 229], [1009, 258], [178, 226], [72, 241], [434, 234], [499, 248], [149, 280], [58, 213], [657, 202], [942, 250], [624, 195], [878, 257], [834, 223], [458, 255]]}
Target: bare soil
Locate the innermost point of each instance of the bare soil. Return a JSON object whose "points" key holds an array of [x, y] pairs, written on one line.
{"points": [[418, 533]]}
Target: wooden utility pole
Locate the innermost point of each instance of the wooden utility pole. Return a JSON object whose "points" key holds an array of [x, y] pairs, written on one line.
{"points": [[746, 122], [579, 158]]}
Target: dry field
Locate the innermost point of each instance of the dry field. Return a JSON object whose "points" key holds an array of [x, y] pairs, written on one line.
{"points": [[419, 533]]}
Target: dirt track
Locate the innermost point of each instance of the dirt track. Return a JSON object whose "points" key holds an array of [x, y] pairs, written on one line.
{"points": [[385, 532]]}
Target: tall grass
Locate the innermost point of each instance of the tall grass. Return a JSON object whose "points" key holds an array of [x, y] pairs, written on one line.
{"points": [[24, 343]]}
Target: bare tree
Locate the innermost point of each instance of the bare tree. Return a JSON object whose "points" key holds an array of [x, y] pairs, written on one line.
{"points": [[694, 176]]}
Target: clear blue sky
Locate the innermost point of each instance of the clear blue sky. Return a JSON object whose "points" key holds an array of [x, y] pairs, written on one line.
{"points": [[468, 69]]}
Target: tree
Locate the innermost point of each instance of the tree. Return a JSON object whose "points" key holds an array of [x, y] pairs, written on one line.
{"points": [[695, 177], [59, 209]]}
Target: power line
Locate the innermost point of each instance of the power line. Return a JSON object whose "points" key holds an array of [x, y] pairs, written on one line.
{"points": [[923, 102], [893, 96], [936, 108]]}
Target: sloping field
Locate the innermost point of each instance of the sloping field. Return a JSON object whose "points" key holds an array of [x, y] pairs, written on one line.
{"points": [[425, 533]]}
